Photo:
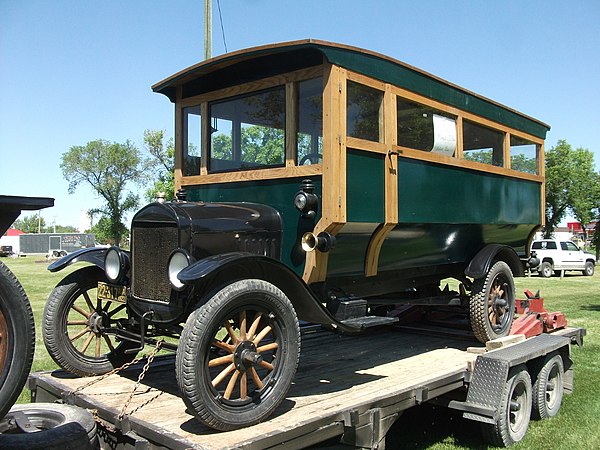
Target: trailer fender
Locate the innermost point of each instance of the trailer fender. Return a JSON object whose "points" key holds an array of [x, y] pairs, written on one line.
{"points": [[481, 263], [221, 269], [91, 255]]}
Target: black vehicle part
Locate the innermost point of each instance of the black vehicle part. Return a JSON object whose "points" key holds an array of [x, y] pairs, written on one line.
{"points": [[548, 388], [91, 255], [76, 326], [17, 338], [48, 426], [482, 262], [513, 416], [492, 303], [238, 354]]}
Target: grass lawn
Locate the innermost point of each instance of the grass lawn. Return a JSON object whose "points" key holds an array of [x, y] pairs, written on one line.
{"points": [[576, 427]]}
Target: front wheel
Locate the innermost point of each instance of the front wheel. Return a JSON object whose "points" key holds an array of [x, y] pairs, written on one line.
{"points": [[238, 354], [492, 304], [546, 269], [76, 326]]}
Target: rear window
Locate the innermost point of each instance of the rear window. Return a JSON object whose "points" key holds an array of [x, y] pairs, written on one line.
{"points": [[544, 245]]}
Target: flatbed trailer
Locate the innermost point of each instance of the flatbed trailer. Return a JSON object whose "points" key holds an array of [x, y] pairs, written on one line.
{"points": [[347, 387]]}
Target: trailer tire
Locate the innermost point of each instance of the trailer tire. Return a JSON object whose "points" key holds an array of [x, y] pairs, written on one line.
{"points": [[61, 427], [17, 338], [71, 298], [492, 304], [260, 347], [514, 411], [548, 388]]}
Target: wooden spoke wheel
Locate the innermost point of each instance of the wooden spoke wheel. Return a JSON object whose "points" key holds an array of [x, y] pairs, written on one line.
{"points": [[76, 326], [492, 303], [238, 354]]}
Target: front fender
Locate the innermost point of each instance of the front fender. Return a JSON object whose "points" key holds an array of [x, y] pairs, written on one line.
{"points": [[91, 255], [229, 267]]}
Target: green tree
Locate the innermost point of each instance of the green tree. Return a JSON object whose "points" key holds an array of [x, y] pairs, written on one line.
{"points": [[572, 185], [162, 162], [34, 223], [108, 168]]}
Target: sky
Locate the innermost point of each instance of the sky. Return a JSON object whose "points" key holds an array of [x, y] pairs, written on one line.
{"points": [[72, 71]]}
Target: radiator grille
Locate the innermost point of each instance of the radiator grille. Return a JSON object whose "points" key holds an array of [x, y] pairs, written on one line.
{"points": [[150, 256]]}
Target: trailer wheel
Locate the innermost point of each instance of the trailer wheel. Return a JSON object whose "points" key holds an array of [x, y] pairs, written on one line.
{"points": [[589, 269], [492, 303], [545, 269], [514, 411], [238, 354], [548, 388], [56, 427], [17, 338], [75, 326]]}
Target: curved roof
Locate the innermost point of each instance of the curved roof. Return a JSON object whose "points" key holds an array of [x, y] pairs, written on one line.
{"points": [[259, 62]]}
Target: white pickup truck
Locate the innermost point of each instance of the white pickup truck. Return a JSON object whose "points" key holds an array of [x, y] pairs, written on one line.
{"points": [[556, 256]]}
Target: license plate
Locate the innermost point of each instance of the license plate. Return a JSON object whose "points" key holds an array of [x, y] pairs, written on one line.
{"points": [[112, 293]]}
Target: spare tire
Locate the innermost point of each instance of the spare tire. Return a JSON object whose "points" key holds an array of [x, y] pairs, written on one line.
{"points": [[60, 427], [17, 338]]}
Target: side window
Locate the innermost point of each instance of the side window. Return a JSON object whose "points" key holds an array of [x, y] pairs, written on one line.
{"points": [[363, 112], [192, 130], [248, 132], [536, 245], [572, 247], [483, 144], [551, 245], [563, 245], [523, 155], [424, 128], [310, 122]]}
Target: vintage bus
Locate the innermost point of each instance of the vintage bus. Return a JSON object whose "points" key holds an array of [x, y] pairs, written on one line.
{"points": [[316, 183]]}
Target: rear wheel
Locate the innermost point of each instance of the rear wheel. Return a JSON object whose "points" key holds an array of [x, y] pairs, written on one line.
{"points": [[238, 354], [588, 270], [548, 388], [76, 325], [514, 411], [492, 304], [17, 338]]}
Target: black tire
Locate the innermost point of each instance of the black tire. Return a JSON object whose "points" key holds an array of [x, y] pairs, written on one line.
{"points": [[61, 427], [74, 320], [548, 388], [514, 411], [492, 304], [225, 339], [545, 269], [17, 338], [588, 271]]}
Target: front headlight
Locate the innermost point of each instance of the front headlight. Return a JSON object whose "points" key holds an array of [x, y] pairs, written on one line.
{"points": [[116, 265], [178, 261]]}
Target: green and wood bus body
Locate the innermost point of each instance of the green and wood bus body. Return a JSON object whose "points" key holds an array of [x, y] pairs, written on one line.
{"points": [[413, 175]]}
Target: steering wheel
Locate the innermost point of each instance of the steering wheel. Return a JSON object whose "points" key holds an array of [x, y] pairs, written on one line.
{"points": [[311, 158]]}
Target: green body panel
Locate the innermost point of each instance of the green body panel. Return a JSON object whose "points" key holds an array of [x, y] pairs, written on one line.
{"points": [[446, 215], [279, 194], [435, 193], [365, 186]]}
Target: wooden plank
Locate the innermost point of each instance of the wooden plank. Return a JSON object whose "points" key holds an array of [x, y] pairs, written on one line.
{"points": [[336, 374]]}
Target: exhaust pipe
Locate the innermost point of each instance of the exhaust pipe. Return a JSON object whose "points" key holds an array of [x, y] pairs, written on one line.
{"points": [[322, 242]]}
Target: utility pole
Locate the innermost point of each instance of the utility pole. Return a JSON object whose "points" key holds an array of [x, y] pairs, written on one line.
{"points": [[207, 29]]}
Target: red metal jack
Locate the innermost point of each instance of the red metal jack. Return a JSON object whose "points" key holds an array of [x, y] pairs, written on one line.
{"points": [[534, 319]]}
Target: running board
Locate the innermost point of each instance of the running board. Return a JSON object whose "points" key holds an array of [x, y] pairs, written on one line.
{"points": [[360, 323]]}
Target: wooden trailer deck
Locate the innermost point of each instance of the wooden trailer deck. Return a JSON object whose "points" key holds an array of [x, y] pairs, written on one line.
{"points": [[343, 383]]}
